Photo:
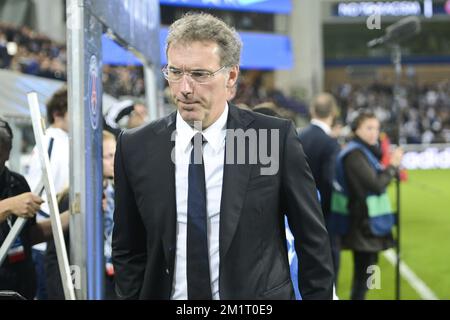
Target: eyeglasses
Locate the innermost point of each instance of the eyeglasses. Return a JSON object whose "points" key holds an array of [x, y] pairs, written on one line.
{"points": [[199, 76]]}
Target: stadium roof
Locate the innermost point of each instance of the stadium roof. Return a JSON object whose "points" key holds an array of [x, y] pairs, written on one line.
{"points": [[14, 87]]}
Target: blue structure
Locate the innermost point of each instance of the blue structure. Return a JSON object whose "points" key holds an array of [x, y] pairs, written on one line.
{"points": [[254, 56], [266, 6]]}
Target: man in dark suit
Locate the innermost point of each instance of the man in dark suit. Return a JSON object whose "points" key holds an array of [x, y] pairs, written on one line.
{"points": [[201, 194], [321, 150]]}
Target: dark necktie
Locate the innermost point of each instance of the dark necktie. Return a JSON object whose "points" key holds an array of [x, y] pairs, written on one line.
{"points": [[198, 278]]}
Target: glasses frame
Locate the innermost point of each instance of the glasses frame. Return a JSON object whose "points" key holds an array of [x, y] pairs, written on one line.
{"points": [[210, 75]]}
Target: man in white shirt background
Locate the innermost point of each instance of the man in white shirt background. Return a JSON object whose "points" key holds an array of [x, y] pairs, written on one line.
{"points": [[321, 149]]}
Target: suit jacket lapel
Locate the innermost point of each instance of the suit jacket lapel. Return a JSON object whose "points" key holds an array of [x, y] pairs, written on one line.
{"points": [[167, 170], [234, 184]]}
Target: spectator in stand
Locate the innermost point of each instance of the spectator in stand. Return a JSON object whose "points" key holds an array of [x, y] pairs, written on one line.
{"points": [[135, 112]]}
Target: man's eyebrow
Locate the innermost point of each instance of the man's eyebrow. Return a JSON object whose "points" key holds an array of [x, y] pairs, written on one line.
{"points": [[199, 69], [193, 69]]}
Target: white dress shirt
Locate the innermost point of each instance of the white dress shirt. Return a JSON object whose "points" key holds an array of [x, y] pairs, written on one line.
{"points": [[322, 125], [213, 158], [59, 167]]}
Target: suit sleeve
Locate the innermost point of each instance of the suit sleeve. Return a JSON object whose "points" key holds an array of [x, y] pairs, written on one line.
{"points": [[129, 238], [301, 205]]}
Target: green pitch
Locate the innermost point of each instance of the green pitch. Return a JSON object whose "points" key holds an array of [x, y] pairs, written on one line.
{"points": [[425, 238]]}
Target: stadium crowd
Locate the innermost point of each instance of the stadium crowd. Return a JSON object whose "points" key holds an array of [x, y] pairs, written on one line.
{"points": [[24, 50], [425, 109]]}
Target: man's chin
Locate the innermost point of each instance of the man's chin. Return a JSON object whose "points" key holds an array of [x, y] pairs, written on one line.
{"points": [[191, 117]]}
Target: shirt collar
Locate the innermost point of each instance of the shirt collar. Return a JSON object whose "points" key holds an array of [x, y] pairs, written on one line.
{"points": [[56, 131], [322, 125], [214, 134]]}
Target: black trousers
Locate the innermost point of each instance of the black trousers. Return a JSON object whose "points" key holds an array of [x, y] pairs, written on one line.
{"points": [[110, 292], [362, 260]]}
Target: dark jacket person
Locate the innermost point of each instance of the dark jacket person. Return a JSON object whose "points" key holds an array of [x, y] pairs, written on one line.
{"points": [[201, 194], [364, 180]]}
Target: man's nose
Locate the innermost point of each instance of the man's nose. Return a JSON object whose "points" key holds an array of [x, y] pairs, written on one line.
{"points": [[186, 85]]}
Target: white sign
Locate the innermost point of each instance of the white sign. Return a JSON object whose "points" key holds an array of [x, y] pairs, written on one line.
{"points": [[431, 158], [365, 9]]}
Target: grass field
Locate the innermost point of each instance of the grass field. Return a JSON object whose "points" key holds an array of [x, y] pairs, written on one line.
{"points": [[425, 238]]}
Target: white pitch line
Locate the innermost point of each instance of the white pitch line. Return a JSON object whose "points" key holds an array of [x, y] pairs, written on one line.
{"points": [[416, 283]]}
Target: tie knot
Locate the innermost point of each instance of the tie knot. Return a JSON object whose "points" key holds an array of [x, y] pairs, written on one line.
{"points": [[198, 140], [197, 148]]}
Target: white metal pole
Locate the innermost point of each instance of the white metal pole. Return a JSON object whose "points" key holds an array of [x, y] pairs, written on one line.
{"points": [[58, 235]]}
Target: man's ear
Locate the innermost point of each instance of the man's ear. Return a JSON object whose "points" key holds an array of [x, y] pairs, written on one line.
{"points": [[232, 76]]}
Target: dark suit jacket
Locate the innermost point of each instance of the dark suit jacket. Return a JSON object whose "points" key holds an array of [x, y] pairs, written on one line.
{"points": [[253, 253], [321, 151]]}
